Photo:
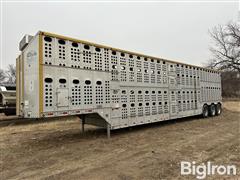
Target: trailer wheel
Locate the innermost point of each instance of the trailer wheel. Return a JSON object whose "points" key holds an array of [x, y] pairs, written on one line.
{"points": [[212, 110], [218, 109], [205, 111]]}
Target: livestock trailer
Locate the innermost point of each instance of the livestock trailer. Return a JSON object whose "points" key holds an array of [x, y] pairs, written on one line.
{"points": [[109, 87]]}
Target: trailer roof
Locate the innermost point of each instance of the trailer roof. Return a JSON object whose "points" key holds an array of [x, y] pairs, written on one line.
{"points": [[117, 49]]}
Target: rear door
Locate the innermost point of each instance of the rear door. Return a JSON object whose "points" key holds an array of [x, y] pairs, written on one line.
{"points": [[62, 97]]}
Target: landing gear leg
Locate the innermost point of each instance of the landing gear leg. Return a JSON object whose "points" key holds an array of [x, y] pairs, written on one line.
{"points": [[83, 123], [108, 131]]}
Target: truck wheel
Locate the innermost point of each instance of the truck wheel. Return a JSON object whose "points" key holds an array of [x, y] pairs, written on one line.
{"points": [[212, 110], [205, 111], [218, 109], [9, 112]]}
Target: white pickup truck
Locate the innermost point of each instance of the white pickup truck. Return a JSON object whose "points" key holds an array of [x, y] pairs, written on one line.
{"points": [[8, 99]]}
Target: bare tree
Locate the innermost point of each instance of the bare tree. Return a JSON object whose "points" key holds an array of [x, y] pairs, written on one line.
{"points": [[226, 48], [2, 76], [230, 84], [11, 74]]}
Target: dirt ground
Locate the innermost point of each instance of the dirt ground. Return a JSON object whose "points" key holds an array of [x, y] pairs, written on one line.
{"points": [[58, 149]]}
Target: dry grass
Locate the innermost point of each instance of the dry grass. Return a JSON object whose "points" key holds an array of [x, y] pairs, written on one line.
{"points": [[233, 106], [58, 149]]}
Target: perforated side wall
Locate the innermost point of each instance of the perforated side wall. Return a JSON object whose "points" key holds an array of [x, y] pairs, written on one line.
{"points": [[83, 78]]}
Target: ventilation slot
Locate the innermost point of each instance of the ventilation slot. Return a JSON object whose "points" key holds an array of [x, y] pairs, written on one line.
{"points": [[48, 51], [76, 93], [107, 92], [75, 55], [88, 92], [99, 93], [87, 57], [48, 92], [98, 59]]}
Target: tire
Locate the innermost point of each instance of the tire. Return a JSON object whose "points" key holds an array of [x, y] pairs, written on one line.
{"points": [[205, 111], [218, 109], [212, 110], [9, 112]]}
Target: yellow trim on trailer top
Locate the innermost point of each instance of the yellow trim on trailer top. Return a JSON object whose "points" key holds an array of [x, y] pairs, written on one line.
{"points": [[22, 64], [17, 86], [40, 55], [121, 50]]}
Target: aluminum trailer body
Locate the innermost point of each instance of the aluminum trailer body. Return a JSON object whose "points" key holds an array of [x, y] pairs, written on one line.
{"points": [[109, 87]]}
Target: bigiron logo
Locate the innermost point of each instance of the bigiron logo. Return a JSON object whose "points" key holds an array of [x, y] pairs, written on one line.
{"points": [[203, 170]]}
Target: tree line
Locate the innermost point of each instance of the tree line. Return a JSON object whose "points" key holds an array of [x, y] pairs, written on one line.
{"points": [[225, 50], [9, 75]]}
